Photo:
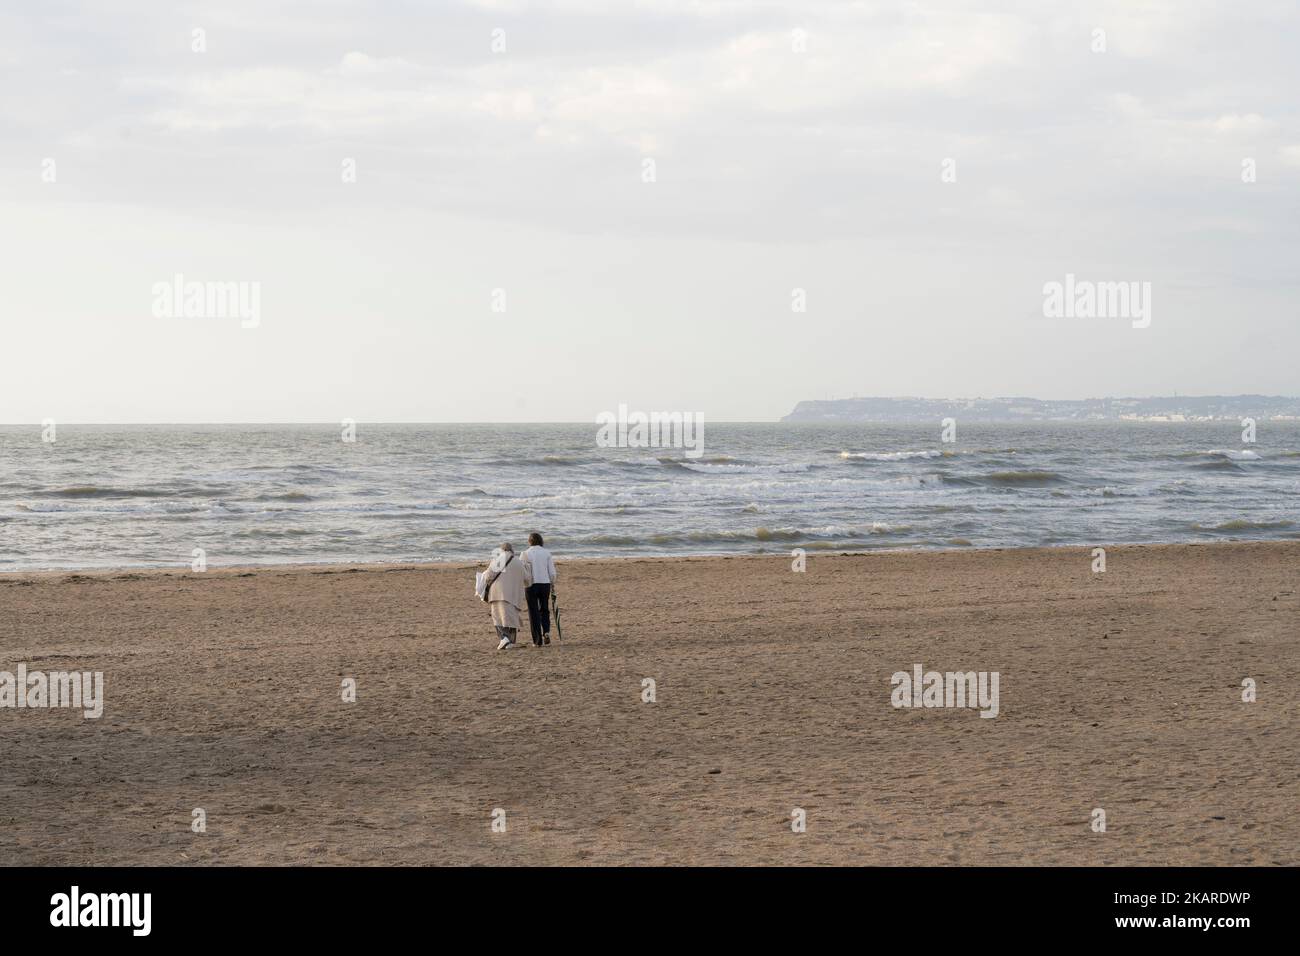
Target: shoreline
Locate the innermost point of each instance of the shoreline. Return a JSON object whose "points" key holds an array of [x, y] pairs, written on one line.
{"points": [[179, 568]]}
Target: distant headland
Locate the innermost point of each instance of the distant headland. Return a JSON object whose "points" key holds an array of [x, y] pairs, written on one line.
{"points": [[1178, 408]]}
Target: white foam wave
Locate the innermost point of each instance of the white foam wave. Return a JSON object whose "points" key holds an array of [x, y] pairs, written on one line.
{"points": [[1233, 455], [889, 455]]}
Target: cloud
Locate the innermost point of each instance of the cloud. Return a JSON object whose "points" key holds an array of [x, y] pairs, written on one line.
{"points": [[842, 109], [814, 164], [356, 63], [1250, 123]]}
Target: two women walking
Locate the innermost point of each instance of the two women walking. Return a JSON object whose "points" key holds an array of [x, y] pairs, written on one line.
{"points": [[510, 584]]}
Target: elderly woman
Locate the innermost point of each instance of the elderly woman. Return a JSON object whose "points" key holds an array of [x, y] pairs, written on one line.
{"points": [[507, 583]]}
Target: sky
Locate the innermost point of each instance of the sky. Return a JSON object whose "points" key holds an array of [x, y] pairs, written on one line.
{"points": [[510, 211]]}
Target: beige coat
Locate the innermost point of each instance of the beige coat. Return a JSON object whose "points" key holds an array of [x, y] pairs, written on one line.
{"points": [[507, 593]]}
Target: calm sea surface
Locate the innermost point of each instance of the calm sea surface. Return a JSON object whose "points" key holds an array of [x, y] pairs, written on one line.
{"points": [[119, 496]]}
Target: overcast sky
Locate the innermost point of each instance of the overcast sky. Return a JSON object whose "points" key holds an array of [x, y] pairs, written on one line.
{"points": [[795, 145]]}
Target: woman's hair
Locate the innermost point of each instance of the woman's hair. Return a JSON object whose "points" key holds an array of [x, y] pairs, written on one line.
{"points": [[536, 539], [507, 546]]}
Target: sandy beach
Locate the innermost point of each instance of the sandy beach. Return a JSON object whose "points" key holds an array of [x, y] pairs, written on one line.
{"points": [[1119, 691]]}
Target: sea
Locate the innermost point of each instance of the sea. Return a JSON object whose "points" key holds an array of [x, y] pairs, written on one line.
{"points": [[122, 496]]}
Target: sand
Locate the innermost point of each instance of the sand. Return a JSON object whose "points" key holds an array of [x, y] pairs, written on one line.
{"points": [[1118, 691]]}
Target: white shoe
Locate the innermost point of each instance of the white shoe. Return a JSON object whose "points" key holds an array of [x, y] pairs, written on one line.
{"points": [[505, 644]]}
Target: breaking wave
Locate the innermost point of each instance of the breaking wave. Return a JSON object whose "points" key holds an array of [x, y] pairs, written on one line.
{"points": [[1242, 524], [891, 455]]}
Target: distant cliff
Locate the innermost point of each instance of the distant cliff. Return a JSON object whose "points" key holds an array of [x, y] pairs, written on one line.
{"points": [[1175, 409]]}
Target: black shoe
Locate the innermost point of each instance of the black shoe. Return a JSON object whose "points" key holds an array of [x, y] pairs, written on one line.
{"points": [[546, 639]]}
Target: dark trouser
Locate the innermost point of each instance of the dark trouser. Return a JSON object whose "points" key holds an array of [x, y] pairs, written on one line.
{"points": [[539, 610]]}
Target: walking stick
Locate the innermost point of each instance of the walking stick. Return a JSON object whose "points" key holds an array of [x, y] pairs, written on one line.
{"points": [[555, 613]]}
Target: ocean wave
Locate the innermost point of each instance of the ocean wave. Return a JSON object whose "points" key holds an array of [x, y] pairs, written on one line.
{"points": [[700, 469], [377, 509], [1232, 454], [545, 461], [103, 507], [717, 465], [1108, 491], [294, 467], [270, 534], [670, 460], [1243, 524], [829, 534], [286, 496], [260, 474], [99, 491], [924, 481], [614, 540], [677, 463], [891, 455], [1024, 478], [721, 468]]}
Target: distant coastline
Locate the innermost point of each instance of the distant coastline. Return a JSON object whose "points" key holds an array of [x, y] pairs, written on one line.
{"points": [[1178, 408]]}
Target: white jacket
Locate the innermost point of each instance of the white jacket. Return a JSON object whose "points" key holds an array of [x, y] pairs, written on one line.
{"points": [[541, 563]]}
